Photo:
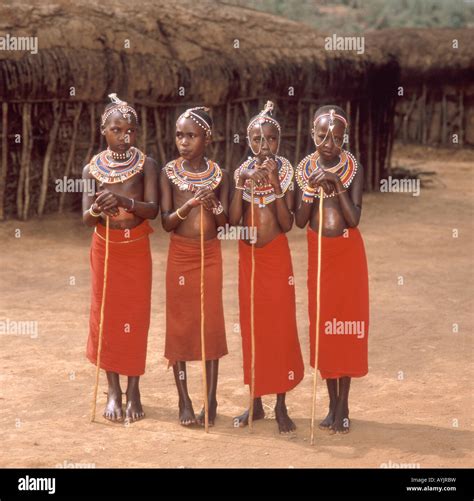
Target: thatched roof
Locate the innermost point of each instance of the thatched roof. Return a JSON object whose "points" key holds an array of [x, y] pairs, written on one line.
{"points": [[428, 54], [187, 43]]}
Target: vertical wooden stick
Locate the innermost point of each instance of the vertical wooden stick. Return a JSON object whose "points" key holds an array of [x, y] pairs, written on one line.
{"points": [[4, 163], [252, 313], [101, 323], [47, 157], [70, 155], [92, 132], [144, 129], [203, 341], [318, 312], [228, 134], [298, 132], [159, 139]]}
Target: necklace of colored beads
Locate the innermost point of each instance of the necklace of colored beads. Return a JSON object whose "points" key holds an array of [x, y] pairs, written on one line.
{"points": [[264, 195], [108, 170], [346, 169], [190, 180]]}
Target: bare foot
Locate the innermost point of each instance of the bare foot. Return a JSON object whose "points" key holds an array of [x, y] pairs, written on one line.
{"points": [[133, 408], [285, 424], [113, 407], [328, 421], [341, 420], [212, 415], [258, 413], [186, 413]]}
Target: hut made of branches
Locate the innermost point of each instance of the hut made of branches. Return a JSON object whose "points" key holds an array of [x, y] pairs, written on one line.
{"points": [[436, 105], [163, 57]]}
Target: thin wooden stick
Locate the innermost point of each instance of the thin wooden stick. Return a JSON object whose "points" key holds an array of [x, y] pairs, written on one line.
{"points": [[101, 323], [318, 312], [92, 130], [57, 109], [298, 133], [70, 155], [159, 140], [203, 341], [144, 130], [252, 313], [4, 163], [25, 139], [228, 133]]}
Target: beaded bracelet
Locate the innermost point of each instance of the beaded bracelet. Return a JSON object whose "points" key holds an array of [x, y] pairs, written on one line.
{"points": [[308, 197]]}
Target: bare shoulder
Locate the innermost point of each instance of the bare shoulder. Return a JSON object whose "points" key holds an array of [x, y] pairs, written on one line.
{"points": [[86, 173], [225, 176], [150, 165]]}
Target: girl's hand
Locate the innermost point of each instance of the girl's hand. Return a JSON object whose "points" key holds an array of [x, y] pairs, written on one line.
{"points": [[260, 176], [203, 196], [209, 198], [271, 166], [327, 180], [108, 203]]}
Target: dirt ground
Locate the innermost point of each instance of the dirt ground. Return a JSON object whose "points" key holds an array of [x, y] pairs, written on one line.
{"points": [[414, 407]]}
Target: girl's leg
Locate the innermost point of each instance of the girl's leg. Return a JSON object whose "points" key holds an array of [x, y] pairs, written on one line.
{"points": [[186, 411], [133, 408], [212, 372], [285, 424], [341, 421], [113, 407], [328, 421]]}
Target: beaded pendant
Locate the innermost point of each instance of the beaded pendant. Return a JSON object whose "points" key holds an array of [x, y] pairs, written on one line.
{"points": [[346, 169], [264, 195], [192, 181], [107, 170]]}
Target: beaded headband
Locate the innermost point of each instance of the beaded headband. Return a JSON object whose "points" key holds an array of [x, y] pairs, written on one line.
{"points": [[122, 107], [332, 116], [264, 117], [260, 119], [198, 119]]}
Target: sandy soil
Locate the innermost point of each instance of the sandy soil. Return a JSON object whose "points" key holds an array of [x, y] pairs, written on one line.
{"points": [[414, 407]]}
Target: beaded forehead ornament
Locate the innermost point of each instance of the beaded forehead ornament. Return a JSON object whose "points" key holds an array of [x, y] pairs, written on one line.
{"points": [[332, 115], [198, 119], [263, 117], [122, 107]]}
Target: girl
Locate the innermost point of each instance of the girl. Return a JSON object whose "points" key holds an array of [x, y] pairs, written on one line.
{"points": [[344, 309], [127, 193], [278, 360], [186, 184]]}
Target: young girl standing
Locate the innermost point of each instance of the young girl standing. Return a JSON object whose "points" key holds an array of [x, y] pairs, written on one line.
{"points": [[344, 308]]}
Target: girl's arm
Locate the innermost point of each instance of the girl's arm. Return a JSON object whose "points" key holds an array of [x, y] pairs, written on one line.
{"points": [[148, 209], [351, 199], [236, 204], [302, 209], [283, 204], [222, 219]]}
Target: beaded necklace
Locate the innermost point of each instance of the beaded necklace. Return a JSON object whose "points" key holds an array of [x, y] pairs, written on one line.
{"points": [[192, 181], [107, 170], [264, 195], [346, 169]]}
